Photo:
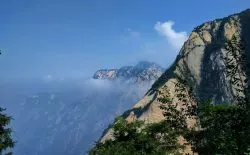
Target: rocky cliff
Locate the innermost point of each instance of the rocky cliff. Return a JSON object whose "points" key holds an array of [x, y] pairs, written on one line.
{"points": [[201, 63], [143, 71]]}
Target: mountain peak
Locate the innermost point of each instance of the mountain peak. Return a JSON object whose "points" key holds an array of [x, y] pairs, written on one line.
{"points": [[142, 71]]}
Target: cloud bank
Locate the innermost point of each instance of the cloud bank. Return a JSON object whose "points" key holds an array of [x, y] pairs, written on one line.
{"points": [[176, 39], [65, 117]]}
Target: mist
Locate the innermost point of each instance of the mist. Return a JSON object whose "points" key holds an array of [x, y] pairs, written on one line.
{"points": [[65, 116]]}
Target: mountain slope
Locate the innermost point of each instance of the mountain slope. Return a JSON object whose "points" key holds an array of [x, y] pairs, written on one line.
{"points": [[201, 63]]}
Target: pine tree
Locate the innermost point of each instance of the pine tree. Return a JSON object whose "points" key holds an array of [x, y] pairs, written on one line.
{"points": [[6, 141]]}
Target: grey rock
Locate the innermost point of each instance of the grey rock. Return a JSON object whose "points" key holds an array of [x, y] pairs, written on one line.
{"points": [[143, 71]]}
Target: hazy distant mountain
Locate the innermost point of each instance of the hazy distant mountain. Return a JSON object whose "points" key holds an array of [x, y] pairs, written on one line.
{"points": [[143, 71], [66, 117]]}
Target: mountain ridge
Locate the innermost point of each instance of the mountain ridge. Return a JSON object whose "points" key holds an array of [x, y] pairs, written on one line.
{"points": [[142, 71], [200, 62]]}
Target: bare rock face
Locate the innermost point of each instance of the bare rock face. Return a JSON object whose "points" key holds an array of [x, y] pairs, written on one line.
{"points": [[143, 71], [201, 63], [105, 74]]}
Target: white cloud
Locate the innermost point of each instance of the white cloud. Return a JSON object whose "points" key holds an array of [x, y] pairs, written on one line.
{"points": [[176, 39]]}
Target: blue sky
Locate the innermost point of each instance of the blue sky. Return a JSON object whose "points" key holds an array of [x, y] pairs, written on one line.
{"points": [[73, 38]]}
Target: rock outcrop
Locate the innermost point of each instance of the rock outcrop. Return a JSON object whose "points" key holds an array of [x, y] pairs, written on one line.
{"points": [[143, 71], [201, 63]]}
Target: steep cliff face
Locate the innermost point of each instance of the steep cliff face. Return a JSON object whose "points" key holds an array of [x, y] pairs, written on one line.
{"points": [[201, 63], [143, 71]]}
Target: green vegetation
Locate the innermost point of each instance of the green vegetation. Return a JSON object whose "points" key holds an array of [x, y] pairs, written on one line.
{"points": [[136, 138], [147, 139], [224, 130], [6, 141]]}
